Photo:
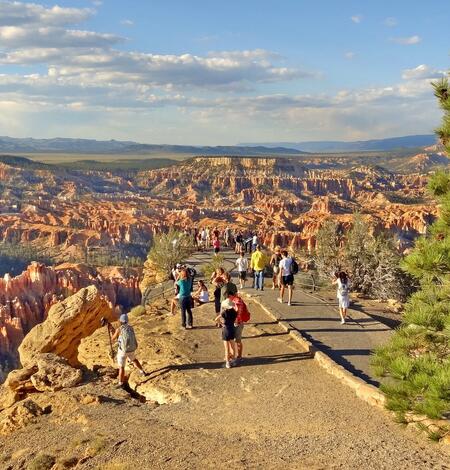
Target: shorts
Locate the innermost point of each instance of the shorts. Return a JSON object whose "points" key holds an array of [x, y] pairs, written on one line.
{"points": [[228, 333], [344, 302], [287, 280], [243, 275], [238, 329], [123, 356], [216, 250]]}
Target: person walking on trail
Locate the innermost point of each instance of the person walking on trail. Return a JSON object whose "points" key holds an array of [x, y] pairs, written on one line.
{"points": [[238, 246], [218, 281], [254, 242], [229, 289], [343, 293], [226, 319], [216, 245], [184, 284], [242, 267], [201, 295], [127, 346], [287, 276], [258, 264], [275, 263]]}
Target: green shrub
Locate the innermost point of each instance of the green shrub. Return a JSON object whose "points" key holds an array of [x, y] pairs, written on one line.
{"points": [[42, 462]]}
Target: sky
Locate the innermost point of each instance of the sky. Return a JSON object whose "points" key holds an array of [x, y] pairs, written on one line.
{"points": [[210, 72]]}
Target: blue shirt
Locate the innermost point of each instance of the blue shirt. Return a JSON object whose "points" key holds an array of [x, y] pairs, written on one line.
{"points": [[185, 287]]}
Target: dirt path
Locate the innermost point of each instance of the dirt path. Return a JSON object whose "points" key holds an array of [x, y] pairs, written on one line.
{"points": [[278, 410]]}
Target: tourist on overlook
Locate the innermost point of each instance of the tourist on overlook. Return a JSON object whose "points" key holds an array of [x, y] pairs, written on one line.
{"points": [[226, 319], [242, 267], [229, 289], [218, 281], [203, 238], [127, 346], [201, 295], [185, 286], [286, 276], [343, 293], [239, 239], [227, 235], [208, 238], [254, 242], [258, 264], [216, 246], [275, 263]]}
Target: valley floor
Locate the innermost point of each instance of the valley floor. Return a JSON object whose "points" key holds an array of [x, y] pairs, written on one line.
{"points": [[278, 410]]}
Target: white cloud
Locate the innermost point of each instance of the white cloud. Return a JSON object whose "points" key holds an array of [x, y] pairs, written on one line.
{"points": [[350, 55], [127, 22], [357, 18], [407, 41], [18, 14], [422, 72], [390, 21]]}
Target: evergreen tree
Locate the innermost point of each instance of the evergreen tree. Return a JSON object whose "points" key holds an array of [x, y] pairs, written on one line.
{"points": [[326, 257], [417, 358]]}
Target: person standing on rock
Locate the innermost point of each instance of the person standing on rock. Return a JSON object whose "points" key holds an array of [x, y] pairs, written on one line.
{"points": [[275, 263], [258, 264], [343, 293], [127, 345], [242, 267], [185, 286], [287, 276]]}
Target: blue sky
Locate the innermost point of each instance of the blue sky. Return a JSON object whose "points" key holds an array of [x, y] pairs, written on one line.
{"points": [[210, 72]]}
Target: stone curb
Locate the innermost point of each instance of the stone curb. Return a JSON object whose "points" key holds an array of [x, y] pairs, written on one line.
{"points": [[363, 390]]}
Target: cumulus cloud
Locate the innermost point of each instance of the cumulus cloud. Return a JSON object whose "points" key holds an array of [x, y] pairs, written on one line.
{"points": [[19, 14], [127, 22], [357, 18], [407, 41], [349, 55], [422, 72]]}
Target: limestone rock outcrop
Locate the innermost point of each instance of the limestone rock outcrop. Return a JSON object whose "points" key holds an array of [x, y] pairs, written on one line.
{"points": [[54, 374], [67, 323]]}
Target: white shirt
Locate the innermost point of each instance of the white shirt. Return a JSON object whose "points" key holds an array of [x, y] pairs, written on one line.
{"points": [[204, 296], [285, 266], [242, 264], [255, 240]]}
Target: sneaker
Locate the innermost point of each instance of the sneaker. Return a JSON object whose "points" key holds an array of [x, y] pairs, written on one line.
{"points": [[280, 300], [120, 386], [273, 287], [228, 365], [343, 321], [189, 327], [289, 304]]}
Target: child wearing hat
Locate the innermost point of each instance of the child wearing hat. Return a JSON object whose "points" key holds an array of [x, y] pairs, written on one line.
{"points": [[227, 317]]}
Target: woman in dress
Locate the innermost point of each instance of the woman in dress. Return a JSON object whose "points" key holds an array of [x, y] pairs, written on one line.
{"points": [[343, 293]]}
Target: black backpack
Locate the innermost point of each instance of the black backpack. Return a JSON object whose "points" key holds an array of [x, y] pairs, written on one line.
{"points": [[294, 267]]}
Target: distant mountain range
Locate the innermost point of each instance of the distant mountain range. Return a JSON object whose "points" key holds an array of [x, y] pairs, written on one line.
{"points": [[331, 146], [117, 147]]}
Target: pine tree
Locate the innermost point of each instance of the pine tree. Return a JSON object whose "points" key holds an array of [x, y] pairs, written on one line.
{"points": [[417, 358]]}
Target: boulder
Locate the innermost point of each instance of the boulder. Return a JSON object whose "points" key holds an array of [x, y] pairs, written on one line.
{"points": [[20, 416], [54, 374], [67, 323], [16, 386]]}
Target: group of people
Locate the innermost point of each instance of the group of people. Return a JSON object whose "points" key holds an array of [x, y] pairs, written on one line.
{"points": [[231, 313]]}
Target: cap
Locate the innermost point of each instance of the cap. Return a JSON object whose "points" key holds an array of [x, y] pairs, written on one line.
{"points": [[123, 318], [226, 304]]}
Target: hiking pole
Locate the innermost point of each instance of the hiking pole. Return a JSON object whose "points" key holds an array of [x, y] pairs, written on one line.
{"points": [[105, 322]]}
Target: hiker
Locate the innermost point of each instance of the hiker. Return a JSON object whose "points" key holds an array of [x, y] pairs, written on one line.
{"points": [[254, 242], [275, 263], [243, 316], [242, 267], [286, 276], [238, 246], [216, 245], [185, 286], [127, 345], [226, 319], [201, 295], [258, 263], [218, 280], [343, 291], [229, 289]]}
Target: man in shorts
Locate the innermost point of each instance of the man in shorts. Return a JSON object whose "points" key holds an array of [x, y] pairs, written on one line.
{"points": [[287, 278], [242, 267], [122, 355]]}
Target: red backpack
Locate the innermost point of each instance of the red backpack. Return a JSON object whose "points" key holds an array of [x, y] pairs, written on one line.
{"points": [[243, 315]]}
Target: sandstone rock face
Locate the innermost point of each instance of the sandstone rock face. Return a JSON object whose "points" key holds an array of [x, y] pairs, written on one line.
{"points": [[54, 374], [26, 299], [19, 416], [67, 323]]}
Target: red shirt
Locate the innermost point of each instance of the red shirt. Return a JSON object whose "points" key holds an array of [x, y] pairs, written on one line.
{"points": [[216, 243]]}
